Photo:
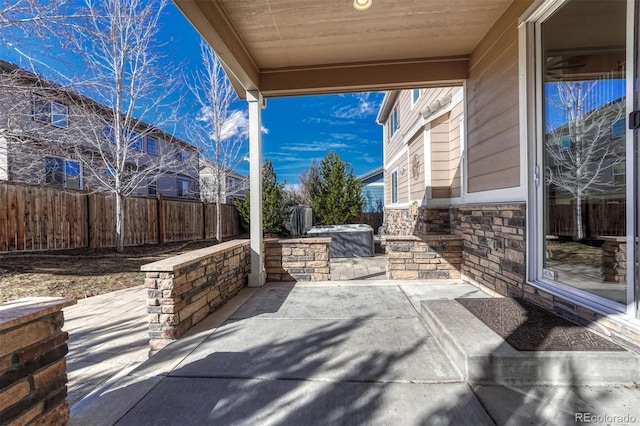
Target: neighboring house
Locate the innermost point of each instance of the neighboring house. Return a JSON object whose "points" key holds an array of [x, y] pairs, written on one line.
{"points": [[40, 121], [373, 190], [422, 153], [233, 187]]}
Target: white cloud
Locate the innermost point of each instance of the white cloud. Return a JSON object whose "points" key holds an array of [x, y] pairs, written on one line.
{"points": [[314, 146], [237, 124], [363, 108]]}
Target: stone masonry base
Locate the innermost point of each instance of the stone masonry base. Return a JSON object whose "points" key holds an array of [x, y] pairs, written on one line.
{"points": [[33, 368]]}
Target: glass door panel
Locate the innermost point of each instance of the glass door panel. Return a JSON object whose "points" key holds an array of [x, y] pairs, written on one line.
{"points": [[585, 148]]}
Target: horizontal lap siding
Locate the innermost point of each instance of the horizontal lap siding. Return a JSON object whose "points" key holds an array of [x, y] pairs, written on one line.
{"points": [[440, 176], [493, 136], [416, 150], [454, 149]]}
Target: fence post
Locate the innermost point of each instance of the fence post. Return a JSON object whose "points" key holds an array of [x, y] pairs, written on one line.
{"points": [[204, 220], [160, 219], [88, 213]]}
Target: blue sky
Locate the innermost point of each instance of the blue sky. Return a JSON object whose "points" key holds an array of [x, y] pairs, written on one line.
{"points": [[297, 130]]}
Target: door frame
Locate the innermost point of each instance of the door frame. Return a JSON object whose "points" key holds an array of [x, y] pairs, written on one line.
{"points": [[532, 129]]}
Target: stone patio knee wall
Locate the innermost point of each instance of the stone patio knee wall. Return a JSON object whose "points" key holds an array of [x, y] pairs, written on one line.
{"points": [[417, 220], [423, 258], [184, 289], [33, 368], [300, 259], [494, 245]]}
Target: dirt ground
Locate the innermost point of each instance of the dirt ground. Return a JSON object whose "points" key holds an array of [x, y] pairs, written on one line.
{"points": [[81, 273]]}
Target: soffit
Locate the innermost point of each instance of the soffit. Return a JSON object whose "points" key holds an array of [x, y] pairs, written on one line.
{"points": [[280, 46]]}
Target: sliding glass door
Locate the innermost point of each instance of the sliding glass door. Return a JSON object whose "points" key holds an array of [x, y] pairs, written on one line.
{"points": [[586, 175]]}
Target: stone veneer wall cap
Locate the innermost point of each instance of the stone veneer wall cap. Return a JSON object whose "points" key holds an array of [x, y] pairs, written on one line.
{"points": [[421, 238], [316, 240], [176, 262], [27, 309]]}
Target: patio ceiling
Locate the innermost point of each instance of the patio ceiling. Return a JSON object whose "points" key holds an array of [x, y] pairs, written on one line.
{"points": [[295, 47]]}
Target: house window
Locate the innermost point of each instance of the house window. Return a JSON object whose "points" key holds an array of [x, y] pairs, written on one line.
{"points": [[415, 95], [619, 173], [134, 140], [182, 156], [394, 121], [565, 143], [50, 112], [182, 187], [617, 128], [152, 145], [62, 172], [394, 186], [152, 186], [109, 133]]}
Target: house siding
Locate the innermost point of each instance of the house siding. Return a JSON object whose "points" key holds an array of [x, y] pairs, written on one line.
{"points": [[493, 132]]}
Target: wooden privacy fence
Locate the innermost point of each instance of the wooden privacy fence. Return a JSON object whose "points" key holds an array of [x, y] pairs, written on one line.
{"points": [[46, 218], [374, 220], [598, 218]]}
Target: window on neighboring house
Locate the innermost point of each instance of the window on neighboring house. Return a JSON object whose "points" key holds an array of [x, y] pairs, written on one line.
{"points": [[394, 121], [152, 186], [415, 95], [134, 139], [62, 172], [109, 133], [394, 186], [152, 145], [618, 129], [565, 143], [50, 112], [182, 187], [619, 173], [182, 156]]}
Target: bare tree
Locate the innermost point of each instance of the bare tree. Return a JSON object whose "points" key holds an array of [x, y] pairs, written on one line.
{"points": [[125, 71], [581, 150], [220, 130], [310, 184]]}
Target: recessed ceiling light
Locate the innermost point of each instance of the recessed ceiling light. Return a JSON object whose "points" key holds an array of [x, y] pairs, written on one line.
{"points": [[362, 4]]}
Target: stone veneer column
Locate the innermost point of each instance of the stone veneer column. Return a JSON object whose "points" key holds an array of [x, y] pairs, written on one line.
{"points": [[33, 368], [614, 259]]}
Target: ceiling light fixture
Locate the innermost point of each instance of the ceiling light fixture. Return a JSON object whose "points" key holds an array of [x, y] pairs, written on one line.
{"points": [[362, 4]]}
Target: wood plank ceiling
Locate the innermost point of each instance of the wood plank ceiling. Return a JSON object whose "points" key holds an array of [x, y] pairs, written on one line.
{"points": [[293, 47]]}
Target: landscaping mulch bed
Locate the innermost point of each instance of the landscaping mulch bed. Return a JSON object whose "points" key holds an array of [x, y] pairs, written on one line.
{"points": [[528, 327], [81, 273]]}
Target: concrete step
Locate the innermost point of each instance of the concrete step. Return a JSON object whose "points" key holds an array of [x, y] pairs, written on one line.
{"points": [[483, 357]]}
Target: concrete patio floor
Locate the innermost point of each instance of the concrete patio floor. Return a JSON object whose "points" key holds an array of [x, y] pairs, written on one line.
{"points": [[348, 352]]}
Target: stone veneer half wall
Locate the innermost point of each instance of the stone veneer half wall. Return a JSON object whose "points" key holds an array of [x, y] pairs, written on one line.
{"points": [[429, 257], [416, 220], [297, 259], [183, 290]]}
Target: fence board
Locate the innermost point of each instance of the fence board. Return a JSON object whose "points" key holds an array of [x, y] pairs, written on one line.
{"points": [[48, 218], [372, 219]]}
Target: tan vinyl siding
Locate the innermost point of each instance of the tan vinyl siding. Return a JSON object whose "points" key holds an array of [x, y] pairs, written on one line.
{"points": [[440, 169], [493, 145], [455, 164], [416, 150]]}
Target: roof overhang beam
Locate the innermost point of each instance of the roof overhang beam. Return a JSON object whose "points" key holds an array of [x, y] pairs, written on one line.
{"points": [[435, 72]]}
